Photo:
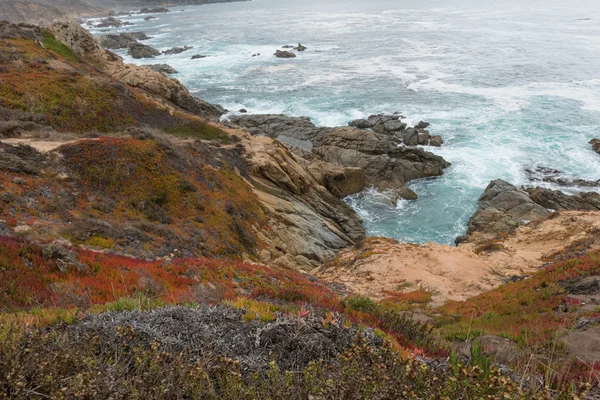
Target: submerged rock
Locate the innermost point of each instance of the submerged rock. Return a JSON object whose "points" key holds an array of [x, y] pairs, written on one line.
{"points": [[300, 47], [284, 54], [198, 56], [138, 50]]}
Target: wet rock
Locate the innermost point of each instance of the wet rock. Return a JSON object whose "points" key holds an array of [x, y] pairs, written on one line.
{"points": [[284, 54], [551, 175], [164, 68], [138, 50], [149, 18], [177, 50], [287, 46], [300, 47], [198, 56], [242, 110], [422, 125]]}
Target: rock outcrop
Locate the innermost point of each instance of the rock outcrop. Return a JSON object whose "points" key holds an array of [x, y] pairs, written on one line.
{"points": [[139, 50], [376, 151], [557, 200], [502, 208], [284, 54], [386, 124], [275, 125], [122, 40], [177, 50], [595, 145], [164, 68], [88, 49], [386, 166], [300, 47], [307, 222], [112, 22]]}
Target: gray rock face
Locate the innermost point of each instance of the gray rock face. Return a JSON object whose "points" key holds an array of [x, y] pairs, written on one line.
{"points": [[557, 200], [284, 54], [274, 125], [502, 208], [138, 50], [164, 68]]}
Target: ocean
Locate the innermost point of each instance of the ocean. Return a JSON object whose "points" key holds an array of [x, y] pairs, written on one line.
{"points": [[510, 85]]}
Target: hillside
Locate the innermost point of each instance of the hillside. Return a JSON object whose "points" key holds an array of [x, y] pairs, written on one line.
{"points": [[37, 11], [149, 251]]}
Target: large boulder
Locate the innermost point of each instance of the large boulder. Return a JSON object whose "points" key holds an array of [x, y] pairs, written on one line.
{"points": [[502, 208]]}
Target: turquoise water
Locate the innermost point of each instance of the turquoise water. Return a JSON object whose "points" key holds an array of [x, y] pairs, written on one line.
{"points": [[509, 86]]}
